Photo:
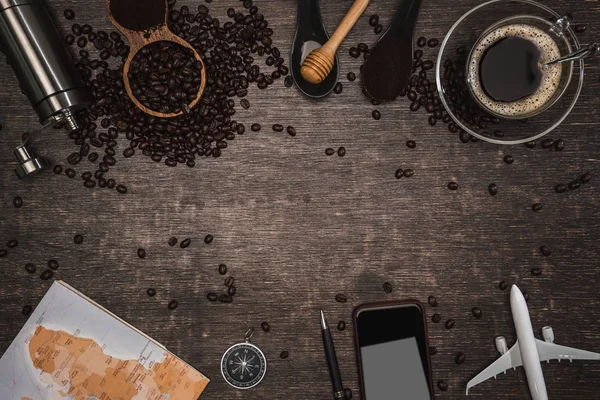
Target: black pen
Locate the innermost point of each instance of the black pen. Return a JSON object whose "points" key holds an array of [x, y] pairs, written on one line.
{"points": [[334, 369]]}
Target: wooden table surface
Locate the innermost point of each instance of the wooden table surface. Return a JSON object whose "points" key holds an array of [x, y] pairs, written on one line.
{"points": [[296, 227]]}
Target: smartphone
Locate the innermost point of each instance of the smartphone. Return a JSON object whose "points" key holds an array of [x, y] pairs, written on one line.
{"points": [[392, 347]]}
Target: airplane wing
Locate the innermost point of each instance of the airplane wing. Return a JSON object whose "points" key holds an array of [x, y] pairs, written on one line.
{"points": [[550, 351], [510, 359]]}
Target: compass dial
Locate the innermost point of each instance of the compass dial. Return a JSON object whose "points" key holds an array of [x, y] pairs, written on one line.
{"points": [[243, 366]]}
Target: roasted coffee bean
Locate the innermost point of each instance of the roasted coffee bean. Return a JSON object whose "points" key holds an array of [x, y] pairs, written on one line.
{"points": [[399, 173], [69, 14], [387, 287], [460, 358], [229, 281], [433, 42], [427, 65], [255, 127], [408, 173], [432, 120], [442, 385], [265, 326], [415, 105], [208, 239], [477, 313], [173, 304], [347, 394], [418, 54], [450, 324], [546, 251], [46, 275], [341, 298], [354, 52], [70, 173], [121, 189], [351, 76], [341, 152], [374, 20], [141, 253], [585, 178], [432, 300], [53, 265], [232, 290], [559, 145], [27, 310], [78, 239], [547, 143], [288, 81], [421, 42], [503, 285], [578, 28], [18, 202], [222, 269], [509, 159], [432, 350], [30, 268], [329, 151], [11, 244], [436, 318], [58, 169], [341, 325], [284, 355], [526, 296], [530, 145], [89, 184], [536, 271], [225, 298], [172, 241], [378, 29], [245, 104], [278, 128], [536, 207], [212, 296], [574, 185], [560, 188], [3, 253], [86, 176], [411, 144], [453, 186], [291, 131], [337, 89], [493, 189], [376, 115], [185, 243]]}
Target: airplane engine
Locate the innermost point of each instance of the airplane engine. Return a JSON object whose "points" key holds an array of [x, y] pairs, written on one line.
{"points": [[548, 334], [501, 345]]}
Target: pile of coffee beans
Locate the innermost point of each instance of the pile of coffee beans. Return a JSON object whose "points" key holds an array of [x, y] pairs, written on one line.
{"points": [[229, 293], [165, 77], [228, 51]]}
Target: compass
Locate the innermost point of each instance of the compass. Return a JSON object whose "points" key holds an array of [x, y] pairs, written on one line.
{"points": [[244, 365]]}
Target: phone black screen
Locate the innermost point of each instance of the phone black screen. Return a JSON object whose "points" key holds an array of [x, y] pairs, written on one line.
{"points": [[393, 353]]}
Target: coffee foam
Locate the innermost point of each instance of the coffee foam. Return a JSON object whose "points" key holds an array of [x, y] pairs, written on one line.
{"points": [[550, 74]]}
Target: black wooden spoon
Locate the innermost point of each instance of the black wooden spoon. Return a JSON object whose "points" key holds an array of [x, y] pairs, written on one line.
{"points": [[310, 34], [388, 67]]}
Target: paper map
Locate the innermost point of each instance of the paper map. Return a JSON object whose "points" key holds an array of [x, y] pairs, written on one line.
{"points": [[73, 349]]}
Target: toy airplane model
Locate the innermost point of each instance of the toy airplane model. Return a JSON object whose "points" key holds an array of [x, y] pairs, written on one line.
{"points": [[528, 351]]}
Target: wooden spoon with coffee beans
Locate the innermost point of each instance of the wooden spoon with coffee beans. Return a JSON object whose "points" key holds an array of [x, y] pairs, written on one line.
{"points": [[144, 22]]}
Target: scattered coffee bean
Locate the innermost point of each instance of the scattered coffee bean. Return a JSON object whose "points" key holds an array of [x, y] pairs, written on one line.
{"points": [[245, 104], [278, 127], [141, 253], [3, 253], [265, 326], [408, 173], [288, 81], [399, 173], [11, 244], [341, 325], [151, 292], [225, 298], [493, 189], [433, 42], [574, 185], [232, 290], [58, 169], [341, 152], [173, 304], [530, 145], [387, 287], [411, 144], [18, 202], [284, 355], [432, 300], [255, 127], [291, 131], [229, 281], [329, 151], [351, 76], [442, 385], [547, 143], [78, 239], [536, 207], [450, 324], [585, 178], [526, 296], [347, 394], [30, 268], [436, 318], [53, 265], [70, 173], [432, 350], [172, 241], [374, 20], [341, 298], [69, 14], [212, 296], [460, 358], [559, 145], [185, 243], [378, 29], [536, 271], [47, 274], [222, 269], [477, 313], [421, 42], [503, 285], [121, 189], [560, 188], [376, 115], [509, 159], [337, 89], [453, 186], [27, 310], [208, 239], [546, 251]]}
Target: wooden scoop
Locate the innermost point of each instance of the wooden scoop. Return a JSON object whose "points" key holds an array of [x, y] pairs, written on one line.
{"points": [[139, 39], [318, 64]]}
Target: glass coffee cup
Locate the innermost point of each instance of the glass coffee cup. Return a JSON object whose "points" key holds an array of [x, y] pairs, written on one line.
{"points": [[461, 78]]}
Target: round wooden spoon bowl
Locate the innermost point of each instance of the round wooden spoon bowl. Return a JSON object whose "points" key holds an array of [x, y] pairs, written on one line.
{"points": [[140, 39]]}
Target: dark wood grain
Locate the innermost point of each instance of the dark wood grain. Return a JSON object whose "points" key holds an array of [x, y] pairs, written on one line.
{"points": [[295, 227]]}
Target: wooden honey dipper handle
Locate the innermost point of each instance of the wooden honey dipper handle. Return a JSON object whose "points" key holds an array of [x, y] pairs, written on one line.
{"points": [[318, 64]]}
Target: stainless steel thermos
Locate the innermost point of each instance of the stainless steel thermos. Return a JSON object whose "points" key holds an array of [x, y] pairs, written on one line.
{"points": [[44, 68]]}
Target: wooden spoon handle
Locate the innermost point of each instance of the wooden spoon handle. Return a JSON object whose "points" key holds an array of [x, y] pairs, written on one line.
{"points": [[346, 25]]}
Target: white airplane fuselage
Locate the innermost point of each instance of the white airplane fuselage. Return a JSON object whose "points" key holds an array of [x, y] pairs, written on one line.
{"points": [[527, 345]]}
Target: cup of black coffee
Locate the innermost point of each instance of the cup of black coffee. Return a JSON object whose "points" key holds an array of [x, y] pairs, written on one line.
{"points": [[491, 72]]}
